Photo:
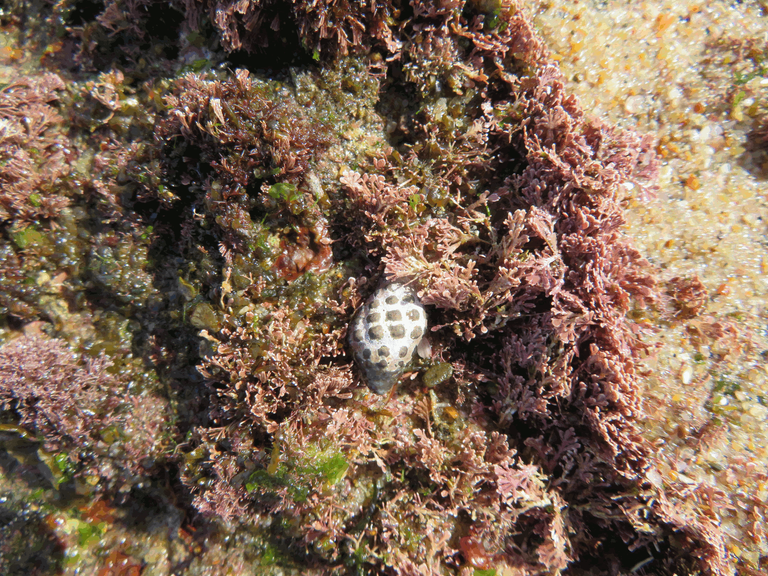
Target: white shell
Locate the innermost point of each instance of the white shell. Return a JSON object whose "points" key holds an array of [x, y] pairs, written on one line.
{"points": [[384, 334]]}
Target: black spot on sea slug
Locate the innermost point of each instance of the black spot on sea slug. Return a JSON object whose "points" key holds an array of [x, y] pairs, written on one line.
{"points": [[376, 333], [397, 331], [394, 316]]}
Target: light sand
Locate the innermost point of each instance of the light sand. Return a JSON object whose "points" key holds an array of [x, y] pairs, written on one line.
{"points": [[681, 70]]}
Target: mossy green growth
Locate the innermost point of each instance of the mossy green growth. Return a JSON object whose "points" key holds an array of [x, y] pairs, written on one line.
{"points": [[437, 374], [312, 470], [204, 316], [28, 238], [333, 468], [272, 556], [283, 191], [60, 465], [90, 533], [121, 270], [324, 467]]}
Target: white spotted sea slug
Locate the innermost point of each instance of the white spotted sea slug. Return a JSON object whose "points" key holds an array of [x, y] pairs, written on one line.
{"points": [[385, 333]]}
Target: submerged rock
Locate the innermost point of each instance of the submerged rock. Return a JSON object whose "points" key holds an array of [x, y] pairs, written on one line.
{"points": [[384, 334]]}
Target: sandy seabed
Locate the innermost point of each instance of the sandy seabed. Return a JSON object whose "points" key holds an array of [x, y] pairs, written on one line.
{"points": [[692, 74]]}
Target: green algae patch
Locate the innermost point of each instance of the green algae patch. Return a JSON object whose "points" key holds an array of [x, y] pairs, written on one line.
{"points": [[204, 316], [437, 374], [28, 238], [302, 475], [61, 466], [334, 469], [118, 265]]}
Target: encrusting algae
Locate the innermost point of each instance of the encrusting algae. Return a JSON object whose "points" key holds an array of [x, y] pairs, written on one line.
{"points": [[192, 264]]}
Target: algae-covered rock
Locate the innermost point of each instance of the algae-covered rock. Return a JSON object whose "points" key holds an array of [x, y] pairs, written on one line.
{"points": [[191, 231]]}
